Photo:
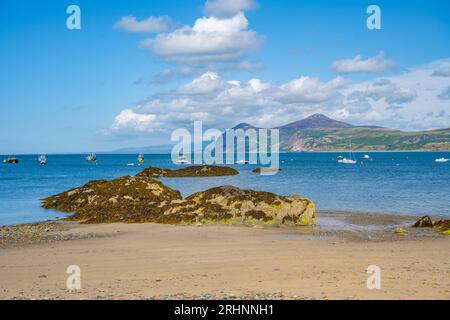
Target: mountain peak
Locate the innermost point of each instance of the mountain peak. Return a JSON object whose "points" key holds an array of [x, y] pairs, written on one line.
{"points": [[317, 120], [244, 126], [318, 116]]}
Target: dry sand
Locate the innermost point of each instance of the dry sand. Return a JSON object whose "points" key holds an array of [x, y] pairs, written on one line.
{"points": [[141, 261]]}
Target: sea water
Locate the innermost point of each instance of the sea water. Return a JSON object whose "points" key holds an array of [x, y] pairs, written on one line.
{"points": [[389, 182]]}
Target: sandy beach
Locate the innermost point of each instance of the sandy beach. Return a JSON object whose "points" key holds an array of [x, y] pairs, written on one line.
{"points": [[155, 261]]}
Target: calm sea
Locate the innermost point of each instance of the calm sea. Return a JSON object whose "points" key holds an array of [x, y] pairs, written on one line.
{"points": [[399, 183]]}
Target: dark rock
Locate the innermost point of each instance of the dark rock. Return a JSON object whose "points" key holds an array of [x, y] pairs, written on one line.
{"points": [[143, 199], [262, 170], [233, 205], [442, 224], [424, 222], [126, 199], [191, 171]]}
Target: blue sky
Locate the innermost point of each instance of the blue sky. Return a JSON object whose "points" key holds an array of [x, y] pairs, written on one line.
{"points": [[107, 86]]}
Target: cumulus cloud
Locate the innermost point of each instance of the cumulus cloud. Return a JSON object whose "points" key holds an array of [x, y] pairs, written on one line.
{"points": [[129, 120], [210, 39], [390, 91], [149, 25], [227, 8], [205, 84], [307, 89], [442, 72], [413, 100], [371, 65], [445, 94]]}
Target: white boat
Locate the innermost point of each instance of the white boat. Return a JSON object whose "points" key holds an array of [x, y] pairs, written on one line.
{"points": [[42, 160], [347, 161], [243, 162], [130, 164], [442, 160], [91, 157], [182, 160], [351, 159], [366, 156]]}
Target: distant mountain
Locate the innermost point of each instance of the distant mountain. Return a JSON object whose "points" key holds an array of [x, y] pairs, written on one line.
{"points": [[315, 121], [244, 126], [148, 150], [320, 133]]}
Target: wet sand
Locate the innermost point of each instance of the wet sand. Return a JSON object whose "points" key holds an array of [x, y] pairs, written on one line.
{"points": [[151, 261]]}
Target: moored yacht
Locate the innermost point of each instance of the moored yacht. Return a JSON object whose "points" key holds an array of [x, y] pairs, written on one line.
{"points": [[42, 160], [11, 160], [182, 160], [91, 157], [140, 158]]}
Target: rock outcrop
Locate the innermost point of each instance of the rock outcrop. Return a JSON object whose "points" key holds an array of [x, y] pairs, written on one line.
{"points": [[126, 199], [233, 205], [190, 171], [427, 222], [143, 199], [265, 170], [424, 222]]}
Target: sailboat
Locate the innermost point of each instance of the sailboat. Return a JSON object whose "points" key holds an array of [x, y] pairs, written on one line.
{"points": [[351, 159], [140, 159], [91, 157], [182, 160], [42, 160]]}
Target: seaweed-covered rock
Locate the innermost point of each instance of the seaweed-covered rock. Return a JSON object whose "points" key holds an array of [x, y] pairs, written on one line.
{"points": [[442, 225], [191, 171], [424, 222], [126, 199], [233, 205], [401, 231], [265, 170]]}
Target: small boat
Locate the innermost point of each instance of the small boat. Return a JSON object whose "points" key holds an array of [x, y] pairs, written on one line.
{"points": [[366, 156], [130, 164], [442, 160], [11, 160], [243, 162], [182, 160], [347, 161], [351, 159], [42, 160], [140, 158], [91, 157]]}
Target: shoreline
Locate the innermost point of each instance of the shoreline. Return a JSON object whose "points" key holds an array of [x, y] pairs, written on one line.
{"points": [[161, 261], [168, 153], [326, 212]]}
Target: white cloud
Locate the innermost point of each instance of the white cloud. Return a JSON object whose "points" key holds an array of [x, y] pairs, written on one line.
{"points": [[445, 94], [228, 8], [149, 25], [371, 65], [207, 83], [210, 40], [442, 72], [412, 100], [129, 120], [307, 89], [388, 90]]}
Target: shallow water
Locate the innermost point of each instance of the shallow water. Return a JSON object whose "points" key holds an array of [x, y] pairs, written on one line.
{"points": [[397, 183]]}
